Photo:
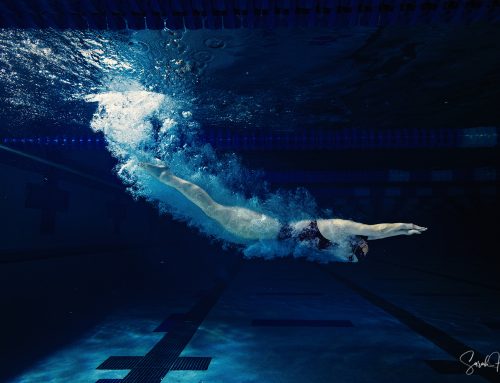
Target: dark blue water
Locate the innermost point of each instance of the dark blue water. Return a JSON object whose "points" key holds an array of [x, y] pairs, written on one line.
{"points": [[371, 124]]}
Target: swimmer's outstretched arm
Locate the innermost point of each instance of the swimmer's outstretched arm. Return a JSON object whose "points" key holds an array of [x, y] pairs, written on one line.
{"points": [[331, 227]]}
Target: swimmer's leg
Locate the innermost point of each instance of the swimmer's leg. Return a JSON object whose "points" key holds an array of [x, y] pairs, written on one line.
{"points": [[331, 228], [237, 220], [191, 191]]}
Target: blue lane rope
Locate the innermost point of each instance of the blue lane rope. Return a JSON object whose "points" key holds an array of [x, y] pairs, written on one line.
{"points": [[312, 139]]}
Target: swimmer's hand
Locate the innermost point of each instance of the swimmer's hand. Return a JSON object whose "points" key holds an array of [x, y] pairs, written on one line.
{"points": [[410, 229], [386, 230]]}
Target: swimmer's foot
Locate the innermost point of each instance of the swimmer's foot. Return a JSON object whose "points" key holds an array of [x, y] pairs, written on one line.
{"points": [[156, 170]]}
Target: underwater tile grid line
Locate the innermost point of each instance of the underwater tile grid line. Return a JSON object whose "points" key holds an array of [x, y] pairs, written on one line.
{"points": [[115, 15]]}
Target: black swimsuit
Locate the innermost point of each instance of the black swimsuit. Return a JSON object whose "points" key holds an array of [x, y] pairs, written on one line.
{"points": [[309, 233]]}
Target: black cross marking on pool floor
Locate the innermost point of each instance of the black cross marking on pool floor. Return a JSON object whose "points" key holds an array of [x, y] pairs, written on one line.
{"points": [[164, 356]]}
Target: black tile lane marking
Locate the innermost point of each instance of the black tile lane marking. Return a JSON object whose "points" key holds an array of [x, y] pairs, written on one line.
{"points": [[130, 362], [170, 322], [120, 363], [164, 356], [191, 363], [301, 323], [435, 335]]}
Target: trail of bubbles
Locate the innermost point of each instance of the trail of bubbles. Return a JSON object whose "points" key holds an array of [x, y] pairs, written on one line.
{"points": [[142, 85], [141, 126]]}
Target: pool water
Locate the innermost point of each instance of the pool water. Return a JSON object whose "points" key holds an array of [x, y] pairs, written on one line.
{"points": [[110, 276]]}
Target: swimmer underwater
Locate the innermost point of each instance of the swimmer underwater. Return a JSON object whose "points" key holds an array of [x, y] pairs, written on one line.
{"points": [[251, 225]]}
